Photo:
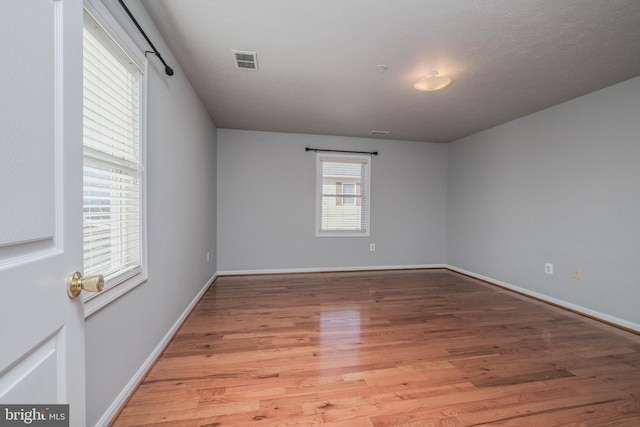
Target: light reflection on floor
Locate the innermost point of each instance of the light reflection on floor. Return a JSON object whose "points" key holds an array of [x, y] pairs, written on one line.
{"points": [[339, 338]]}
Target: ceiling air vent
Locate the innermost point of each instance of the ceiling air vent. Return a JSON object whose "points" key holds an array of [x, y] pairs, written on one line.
{"points": [[245, 60], [379, 132]]}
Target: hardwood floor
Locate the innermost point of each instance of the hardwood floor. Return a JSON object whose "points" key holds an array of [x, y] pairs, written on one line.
{"points": [[393, 348]]}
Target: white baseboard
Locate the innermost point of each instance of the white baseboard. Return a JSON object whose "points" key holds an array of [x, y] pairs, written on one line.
{"points": [[329, 269], [122, 398], [573, 307]]}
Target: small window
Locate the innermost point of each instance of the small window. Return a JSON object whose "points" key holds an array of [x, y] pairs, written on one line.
{"points": [[342, 190], [113, 190], [348, 190]]}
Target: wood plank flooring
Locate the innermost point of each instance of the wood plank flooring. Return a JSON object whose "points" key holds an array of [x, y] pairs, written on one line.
{"points": [[392, 348]]}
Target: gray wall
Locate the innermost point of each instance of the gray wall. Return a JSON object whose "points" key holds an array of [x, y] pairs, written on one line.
{"points": [[559, 186], [266, 203], [181, 202]]}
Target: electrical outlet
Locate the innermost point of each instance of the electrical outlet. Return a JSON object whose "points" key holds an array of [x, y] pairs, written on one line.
{"points": [[576, 273], [372, 247], [548, 268]]}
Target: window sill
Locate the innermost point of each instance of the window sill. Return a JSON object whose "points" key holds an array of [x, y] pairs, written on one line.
{"points": [[342, 234], [96, 302]]}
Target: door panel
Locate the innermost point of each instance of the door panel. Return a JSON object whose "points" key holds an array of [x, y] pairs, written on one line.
{"points": [[27, 197], [41, 328], [36, 375]]}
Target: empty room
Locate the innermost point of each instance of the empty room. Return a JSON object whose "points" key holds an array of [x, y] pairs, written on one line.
{"points": [[342, 213]]}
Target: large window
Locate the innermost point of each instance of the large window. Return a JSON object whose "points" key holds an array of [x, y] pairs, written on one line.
{"points": [[113, 222], [342, 194]]}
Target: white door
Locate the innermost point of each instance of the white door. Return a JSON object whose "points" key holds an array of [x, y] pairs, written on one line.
{"points": [[41, 328]]}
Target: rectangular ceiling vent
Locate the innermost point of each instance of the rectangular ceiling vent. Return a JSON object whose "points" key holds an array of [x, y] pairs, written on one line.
{"points": [[379, 132], [245, 60]]}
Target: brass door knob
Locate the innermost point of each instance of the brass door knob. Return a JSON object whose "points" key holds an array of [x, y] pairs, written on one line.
{"points": [[75, 284]]}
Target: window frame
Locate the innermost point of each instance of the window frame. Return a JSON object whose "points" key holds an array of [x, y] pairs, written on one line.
{"points": [[95, 301], [365, 194]]}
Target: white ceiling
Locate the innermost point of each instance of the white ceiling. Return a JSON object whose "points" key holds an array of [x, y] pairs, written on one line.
{"points": [[318, 60]]}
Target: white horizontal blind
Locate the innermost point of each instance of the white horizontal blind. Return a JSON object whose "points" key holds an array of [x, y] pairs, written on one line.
{"points": [[343, 206], [112, 193]]}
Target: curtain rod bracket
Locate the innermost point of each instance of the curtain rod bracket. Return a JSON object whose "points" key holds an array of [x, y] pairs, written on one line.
{"points": [[167, 69]]}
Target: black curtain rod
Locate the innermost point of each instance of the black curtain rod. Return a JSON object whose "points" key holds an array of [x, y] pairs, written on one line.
{"points": [[167, 69], [373, 153]]}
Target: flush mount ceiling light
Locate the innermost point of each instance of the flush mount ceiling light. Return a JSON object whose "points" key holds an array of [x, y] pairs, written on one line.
{"points": [[432, 81]]}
